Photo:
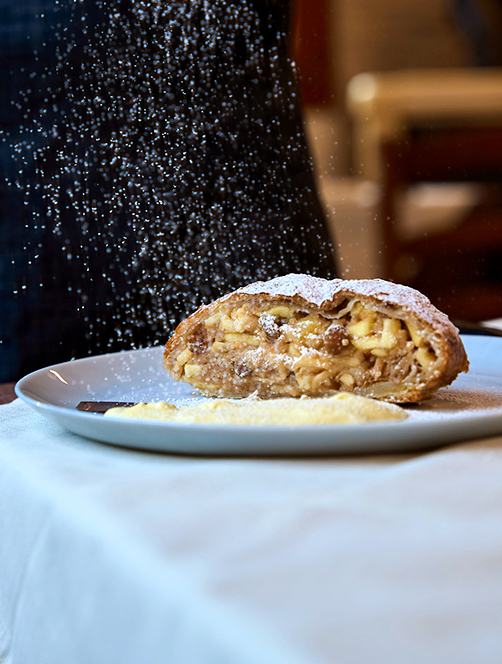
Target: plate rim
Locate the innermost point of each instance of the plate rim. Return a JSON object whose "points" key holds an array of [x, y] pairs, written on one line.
{"points": [[417, 428]]}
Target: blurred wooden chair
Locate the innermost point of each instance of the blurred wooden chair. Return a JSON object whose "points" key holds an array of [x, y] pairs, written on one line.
{"points": [[439, 125]]}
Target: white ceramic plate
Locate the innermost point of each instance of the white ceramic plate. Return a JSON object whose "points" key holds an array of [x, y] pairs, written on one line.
{"points": [[470, 408]]}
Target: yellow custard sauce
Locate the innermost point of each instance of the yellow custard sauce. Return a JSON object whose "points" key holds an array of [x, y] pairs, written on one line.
{"points": [[342, 408]]}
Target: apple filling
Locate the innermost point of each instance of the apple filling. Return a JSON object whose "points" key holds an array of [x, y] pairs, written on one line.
{"points": [[279, 348]]}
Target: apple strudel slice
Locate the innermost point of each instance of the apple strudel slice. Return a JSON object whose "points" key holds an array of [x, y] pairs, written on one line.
{"points": [[300, 335]]}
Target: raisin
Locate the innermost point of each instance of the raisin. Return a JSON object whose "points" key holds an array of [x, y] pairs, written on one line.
{"points": [[269, 324], [336, 338], [197, 341], [241, 369]]}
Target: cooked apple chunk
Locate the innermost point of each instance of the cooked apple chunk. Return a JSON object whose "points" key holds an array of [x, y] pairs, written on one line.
{"points": [[299, 335]]}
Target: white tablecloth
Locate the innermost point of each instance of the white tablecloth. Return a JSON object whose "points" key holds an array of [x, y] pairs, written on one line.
{"points": [[113, 556]]}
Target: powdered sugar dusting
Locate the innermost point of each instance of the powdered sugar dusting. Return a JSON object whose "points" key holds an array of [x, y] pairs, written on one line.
{"points": [[312, 289], [450, 403]]}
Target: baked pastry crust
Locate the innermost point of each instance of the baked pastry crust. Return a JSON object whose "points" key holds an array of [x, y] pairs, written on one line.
{"points": [[300, 335]]}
